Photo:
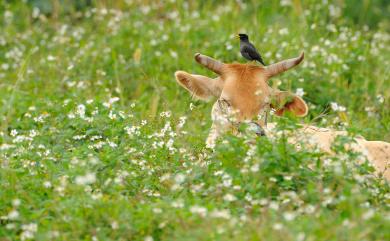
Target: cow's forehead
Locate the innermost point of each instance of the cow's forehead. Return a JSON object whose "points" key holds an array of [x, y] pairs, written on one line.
{"points": [[246, 96]]}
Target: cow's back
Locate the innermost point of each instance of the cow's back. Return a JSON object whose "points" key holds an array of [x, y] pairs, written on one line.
{"points": [[380, 154], [376, 152]]}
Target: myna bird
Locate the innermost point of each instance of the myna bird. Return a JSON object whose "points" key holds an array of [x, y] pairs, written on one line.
{"points": [[247, 49]]}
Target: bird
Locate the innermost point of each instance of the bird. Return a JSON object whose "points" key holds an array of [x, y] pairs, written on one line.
{"points": [[247, 49]]}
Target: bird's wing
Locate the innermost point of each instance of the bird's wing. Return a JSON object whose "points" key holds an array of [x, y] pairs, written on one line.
{"points": [[246, 55], [251, 50]]}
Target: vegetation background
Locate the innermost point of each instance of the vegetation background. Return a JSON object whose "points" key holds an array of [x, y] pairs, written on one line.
{"points": [[98, 142]]}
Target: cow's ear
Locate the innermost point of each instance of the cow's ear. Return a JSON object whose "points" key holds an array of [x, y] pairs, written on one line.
{"points": [[200, 86], [283, 101]]}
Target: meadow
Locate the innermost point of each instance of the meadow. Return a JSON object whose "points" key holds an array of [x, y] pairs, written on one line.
{"points": [[99, 142]]}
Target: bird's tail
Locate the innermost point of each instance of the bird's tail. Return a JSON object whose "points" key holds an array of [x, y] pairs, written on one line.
{"points": [[262, 61]]}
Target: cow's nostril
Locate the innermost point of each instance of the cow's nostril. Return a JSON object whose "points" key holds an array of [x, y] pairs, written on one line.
{"points": [[255, 127]]}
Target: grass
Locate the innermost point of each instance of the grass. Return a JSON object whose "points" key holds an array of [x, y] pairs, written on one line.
{"points": [[98, 142]]}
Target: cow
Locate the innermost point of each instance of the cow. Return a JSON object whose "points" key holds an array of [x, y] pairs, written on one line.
{"points": [[243, 95]]}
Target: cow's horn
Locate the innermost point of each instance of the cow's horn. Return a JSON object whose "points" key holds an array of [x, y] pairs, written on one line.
{"points": [[210, 63], [275, 69]]}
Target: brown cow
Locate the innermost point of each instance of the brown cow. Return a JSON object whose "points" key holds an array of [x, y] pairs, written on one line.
{"points": [[244, 95]]}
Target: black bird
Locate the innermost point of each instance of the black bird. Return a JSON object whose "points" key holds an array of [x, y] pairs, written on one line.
{"points": [[247, 49]]}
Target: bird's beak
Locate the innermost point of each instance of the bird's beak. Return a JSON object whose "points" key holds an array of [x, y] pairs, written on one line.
{"points": [[237, 36]]}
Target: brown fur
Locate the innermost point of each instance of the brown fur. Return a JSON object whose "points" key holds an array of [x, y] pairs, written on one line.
{"points": [[245, 88], [200, 86], [380, 156]]}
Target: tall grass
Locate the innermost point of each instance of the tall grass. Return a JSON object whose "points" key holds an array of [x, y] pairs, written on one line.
{"points": [[97, 141]]}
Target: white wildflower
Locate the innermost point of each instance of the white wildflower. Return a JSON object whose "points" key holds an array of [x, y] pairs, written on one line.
{"points": [[165, 114], [299, 92], [14, 132], [225, 214], [112, 144], [81, 110], [229, 198], [173, 54], [192, 106], [177, 204], [274, 205], [88, 178], [112, 115], [113, 100], [16, 202], [228, 46], [180, 178], [165, 177], [182, 121], [5, 66], [114, 225], [289, 216], [157, 210], [202, 211], [334, 11], [334, 106], [14, 214], [227, 182], [368, 215], [287, 178], [283, 31], [148, 238], [380, 98], [284, 3], [36, 12], [33, 133], [51, 58], [10, 226], [47, 184], [272, 179], [277, 226], [133, 130], [310, 209], [255, 167], [28, 231], [346, 222]]}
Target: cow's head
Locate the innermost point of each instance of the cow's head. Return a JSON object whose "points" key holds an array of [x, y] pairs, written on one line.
{"points": [[244, 86], [242, 91]]}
